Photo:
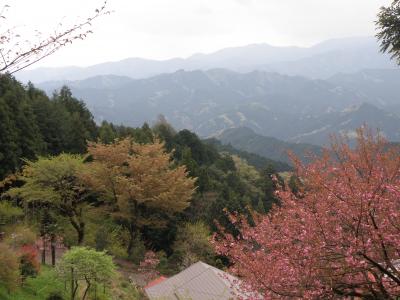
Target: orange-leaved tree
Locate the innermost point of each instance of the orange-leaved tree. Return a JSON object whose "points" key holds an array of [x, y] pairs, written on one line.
{"points": [[340, 237], [140, 182]]}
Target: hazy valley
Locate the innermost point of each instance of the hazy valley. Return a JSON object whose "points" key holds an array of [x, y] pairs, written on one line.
{"points": [[253, 172]]}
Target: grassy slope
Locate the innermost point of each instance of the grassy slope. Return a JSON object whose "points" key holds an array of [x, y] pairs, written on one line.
{"points": [[35, 288], [40, 287]]}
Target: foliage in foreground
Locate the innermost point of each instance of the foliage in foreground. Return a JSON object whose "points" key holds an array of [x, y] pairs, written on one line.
{"points": [[51, 182], [9, 271], [339, 237], [85, 265], [47, 284], [37, 288], [389, 29]]}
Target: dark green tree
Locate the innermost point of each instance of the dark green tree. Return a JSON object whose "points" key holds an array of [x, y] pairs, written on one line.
{"points": [[19, 134], [270, 181], [81, 125], [107, 133], [165, 132], [388, 26]]}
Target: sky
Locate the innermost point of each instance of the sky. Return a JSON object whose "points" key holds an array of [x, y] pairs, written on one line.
{"points": [[162, 29]]}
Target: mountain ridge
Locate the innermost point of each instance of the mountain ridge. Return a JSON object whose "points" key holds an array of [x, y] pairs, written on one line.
{"points": [[314, 61], [245, 139], [290, 108]]}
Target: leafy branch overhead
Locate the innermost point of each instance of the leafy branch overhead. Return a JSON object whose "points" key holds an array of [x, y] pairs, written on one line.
{"points": [[388, 26], [17, 51]]}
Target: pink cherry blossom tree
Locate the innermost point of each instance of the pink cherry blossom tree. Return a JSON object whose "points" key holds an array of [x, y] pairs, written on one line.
{"points": [[340, 237]]}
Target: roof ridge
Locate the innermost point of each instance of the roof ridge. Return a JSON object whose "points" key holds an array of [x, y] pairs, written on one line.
{"points": [[217, 272], [199, 262], [225, 282]]}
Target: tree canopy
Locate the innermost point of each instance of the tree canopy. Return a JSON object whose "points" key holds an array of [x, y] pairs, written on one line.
{"points": [[339, 238], [88, 265], [140, 181], [54, 181], [32, 124], [388, 26]]}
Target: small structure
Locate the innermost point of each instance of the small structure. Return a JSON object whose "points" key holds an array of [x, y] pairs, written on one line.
{"points": [[155, 282], [198, 282]]}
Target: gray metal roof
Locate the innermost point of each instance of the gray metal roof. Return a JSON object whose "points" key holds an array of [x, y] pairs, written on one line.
{"points": [[198, 282]]}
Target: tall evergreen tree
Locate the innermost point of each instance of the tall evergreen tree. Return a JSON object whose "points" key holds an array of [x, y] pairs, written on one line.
{"points": [[19, 134]]}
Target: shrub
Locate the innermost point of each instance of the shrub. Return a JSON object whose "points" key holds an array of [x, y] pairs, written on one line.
{"points": [[192, 244], [9, 213], [19, 236], [9, 272], [55, 296], [29, 265], [138, 251], [88, 265]]}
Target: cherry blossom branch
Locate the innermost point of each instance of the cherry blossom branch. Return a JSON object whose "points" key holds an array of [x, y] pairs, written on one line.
{"points": [[18, 54]]}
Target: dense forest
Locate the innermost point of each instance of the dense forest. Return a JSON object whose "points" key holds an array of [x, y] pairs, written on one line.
{"points": [[93, 209], [57, 165]]}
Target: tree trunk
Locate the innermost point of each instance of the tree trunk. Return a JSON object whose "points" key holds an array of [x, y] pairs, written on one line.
{"points": [[53, 250], [80, 229], [81, 233], [44, 250], [72, 285], [75, 288], [131, 241], [87, 289]]}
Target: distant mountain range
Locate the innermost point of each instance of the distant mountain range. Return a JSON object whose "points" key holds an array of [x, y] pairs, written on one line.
{"points": [[247, 140], [291, 108], [298, 95], [319, 62], [382, 85], [256, 160]]}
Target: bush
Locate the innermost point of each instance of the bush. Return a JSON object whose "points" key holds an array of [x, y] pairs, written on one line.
{"points": [[102, 239], [9, 213], [9, 272], [55, 296], [87, 265], [29, 265], [19, 236], [107, 236], [138, 251], [192, 245]]}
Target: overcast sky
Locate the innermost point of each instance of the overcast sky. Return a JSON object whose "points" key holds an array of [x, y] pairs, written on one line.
{"points": [[160, 29]]}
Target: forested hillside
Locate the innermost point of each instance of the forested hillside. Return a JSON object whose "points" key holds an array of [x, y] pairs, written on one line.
{"points": [[52, 150], [290, 108], [36, 125], [247, 140], [178, 155]]}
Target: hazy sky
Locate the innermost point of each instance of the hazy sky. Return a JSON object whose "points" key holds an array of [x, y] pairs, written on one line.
{"points": [[160, 29]]}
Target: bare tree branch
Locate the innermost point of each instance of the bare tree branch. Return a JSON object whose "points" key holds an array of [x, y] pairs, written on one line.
{"points": [[18, 53]]}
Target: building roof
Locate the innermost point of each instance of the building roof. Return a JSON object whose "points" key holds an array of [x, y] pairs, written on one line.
{"points": [[198, 282], [156, 281]]}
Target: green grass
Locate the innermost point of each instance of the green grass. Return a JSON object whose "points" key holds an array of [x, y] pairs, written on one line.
{"points": [[37, 288], [40, 287]]}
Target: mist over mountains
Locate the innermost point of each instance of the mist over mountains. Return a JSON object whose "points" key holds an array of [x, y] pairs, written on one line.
{"points": [[320, 61], [298, 95], [290, 108]]}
